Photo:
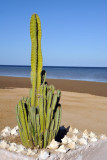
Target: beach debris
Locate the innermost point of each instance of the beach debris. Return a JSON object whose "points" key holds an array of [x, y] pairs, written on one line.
{"points": [[62, 148], [75, 131], [43, 155], [83, 141], [72, 145], [53, 145], [4, 144]]}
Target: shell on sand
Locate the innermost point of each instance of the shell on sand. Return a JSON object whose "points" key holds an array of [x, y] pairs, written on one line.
{"points": [[82, 141], [43, 154], [53, 145], [4, 144], [62, 149], [72, 145]]}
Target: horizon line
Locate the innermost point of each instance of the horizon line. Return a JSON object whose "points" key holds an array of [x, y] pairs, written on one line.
{"points": [[55, 66]]}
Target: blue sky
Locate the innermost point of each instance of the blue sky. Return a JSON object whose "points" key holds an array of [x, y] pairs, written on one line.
{"points": [[74, 32]]}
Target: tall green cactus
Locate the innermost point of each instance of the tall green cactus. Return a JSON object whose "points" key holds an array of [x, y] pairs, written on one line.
{"points": [[39, 116], [36, 58]]}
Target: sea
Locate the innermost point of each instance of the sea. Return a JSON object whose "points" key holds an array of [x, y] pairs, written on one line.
{"points": [[95, 74]]}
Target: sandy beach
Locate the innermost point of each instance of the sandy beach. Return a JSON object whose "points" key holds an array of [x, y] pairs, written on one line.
{"points": [[84, 104]]}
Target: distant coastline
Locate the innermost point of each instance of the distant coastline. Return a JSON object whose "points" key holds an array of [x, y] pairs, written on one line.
{"points": [[93, 74]]}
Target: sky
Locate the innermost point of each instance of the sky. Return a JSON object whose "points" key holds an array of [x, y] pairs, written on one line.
{"points": [[74, 32]]}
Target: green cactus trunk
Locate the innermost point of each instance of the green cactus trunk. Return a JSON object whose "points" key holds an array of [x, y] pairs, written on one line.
{"points": [[39, 116], [36, 58]]}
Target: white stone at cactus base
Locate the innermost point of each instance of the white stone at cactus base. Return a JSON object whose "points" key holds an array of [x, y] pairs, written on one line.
{"points": [[21, 148], [62, 148], [65, 140], [92, 135], [74, 138], [82, 141], [12, 147], [72, 145], [14, 132], [93, 139], [6, 132], [43, 155], [30, 152], [4, 144], [103, 137], [75, 131], [53, 145]]}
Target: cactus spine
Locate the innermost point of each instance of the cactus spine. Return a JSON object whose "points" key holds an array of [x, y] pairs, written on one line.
{"points": [[39, 116]]}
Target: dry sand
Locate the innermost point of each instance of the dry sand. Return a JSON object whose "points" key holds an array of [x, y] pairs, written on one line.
{"points": [[81, 110]]}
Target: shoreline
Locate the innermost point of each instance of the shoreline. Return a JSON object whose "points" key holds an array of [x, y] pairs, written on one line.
{"points": [[94, 88]]}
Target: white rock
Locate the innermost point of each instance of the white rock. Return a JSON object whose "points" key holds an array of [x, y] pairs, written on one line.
{"points": [[103, 137], [17, 128], [6, 132], [14, 132], [82, 141], [21, 148], [74, 138], [92, 135], [93, 139], [4, 144], [72, 145], [30, 152], [5, 135], [43, 155], [62, 149], [65, 140], [12, 147], [53, 145], [85, 132], [75, 131], [69, 140], [53, 157]]}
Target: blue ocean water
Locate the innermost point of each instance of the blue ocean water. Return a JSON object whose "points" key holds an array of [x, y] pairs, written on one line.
{"points": [[98, 74]]}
